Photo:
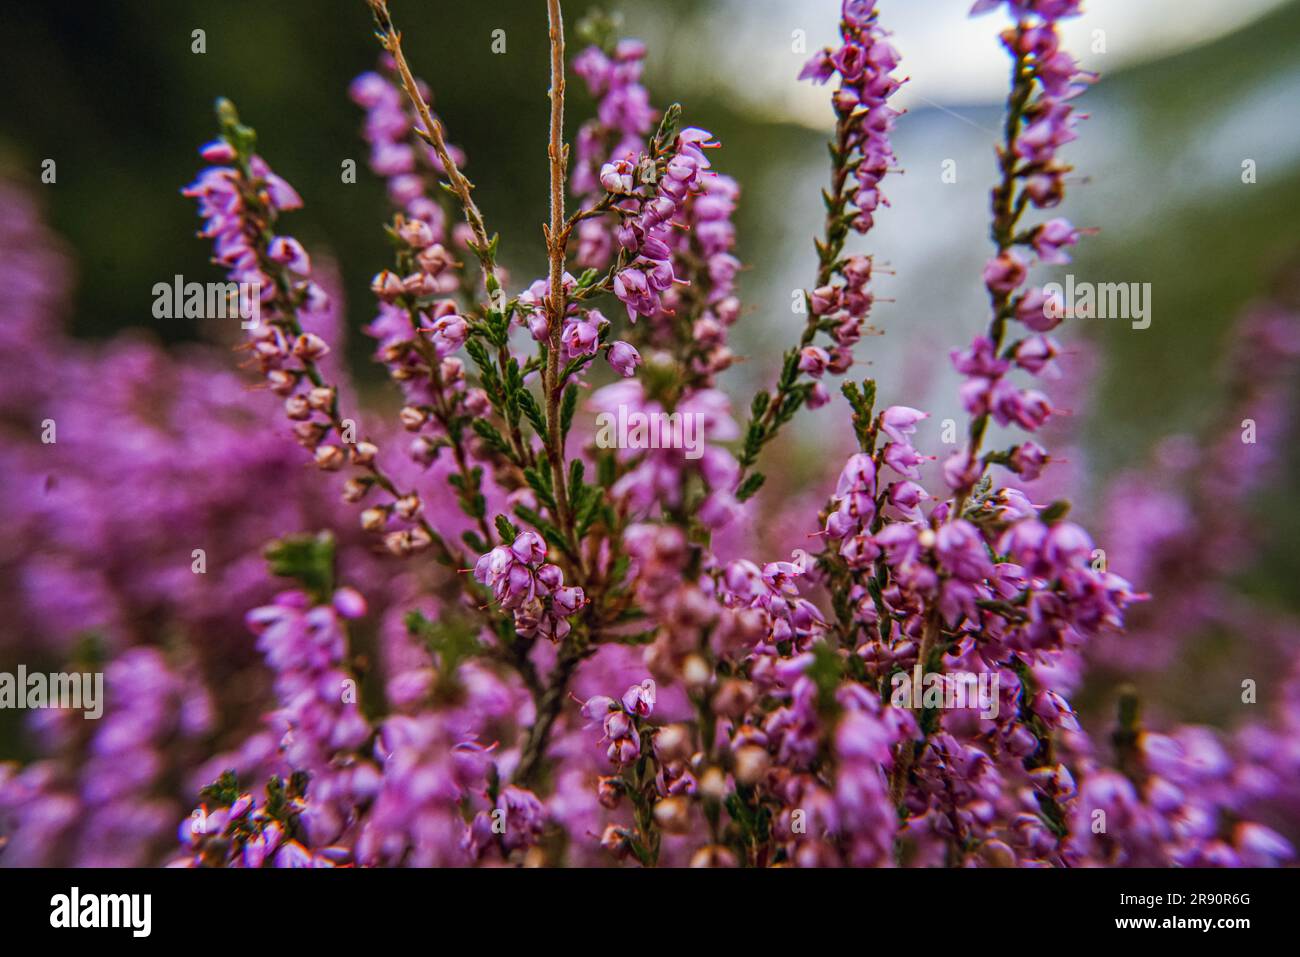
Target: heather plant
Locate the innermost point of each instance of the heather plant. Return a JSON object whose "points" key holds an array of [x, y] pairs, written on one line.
{"points": [[569, 672]]}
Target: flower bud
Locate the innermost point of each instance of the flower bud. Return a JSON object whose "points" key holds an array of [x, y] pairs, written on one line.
{"points": [[296, 408], [408, 506], [321, 398], [387, 286], [309, 347], [417, 233], [412, 419], [309, 434], [752, 763], [281, 381], [713, 855], [374, 519], [673, 743], [363, 453], [330, 457], [713, 783], [355, 489], [673, 815]]}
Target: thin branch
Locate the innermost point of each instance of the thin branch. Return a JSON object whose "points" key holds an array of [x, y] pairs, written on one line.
{"points": [[556, 247]]}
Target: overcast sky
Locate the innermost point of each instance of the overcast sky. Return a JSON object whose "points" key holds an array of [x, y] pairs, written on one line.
{"points": [[745, 46]]}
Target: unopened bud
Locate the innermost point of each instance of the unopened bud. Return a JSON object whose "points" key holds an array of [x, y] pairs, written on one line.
{"points": [[309, 434], [363, 453], [714, 855], [310, 347], [673, 743], [420, 284], [434, 259], [734, 698], [609, 791], [696, 672], [412, 419], [281, 382], [416, 232], [673, 815], [387, 286], [296, 407], [408, 506], [355, 489], [330, 457], [752, 763], [321, 398], [713, 783], [374, 519]]}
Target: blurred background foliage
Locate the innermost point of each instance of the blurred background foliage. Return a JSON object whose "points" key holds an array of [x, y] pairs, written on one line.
{"points": [[113, 93]]}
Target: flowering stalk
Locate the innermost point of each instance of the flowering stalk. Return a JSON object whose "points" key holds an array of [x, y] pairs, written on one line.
{"points": [[1035, 127], [861, 156], [240, 204]]}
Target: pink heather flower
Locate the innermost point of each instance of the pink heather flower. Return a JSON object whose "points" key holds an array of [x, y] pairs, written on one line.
{"points": [[1051, 238], [349, 603], [1036, 354], [814, 360], [528, 548], [1040, 312], [624, 358], [640, 699], [1028, 460], [289, 252], [582, 336], [597, 707], [449, 334], [819, 68], [1005, 272], [899, 421], [980, 359], [218, 152], [961, 472]]}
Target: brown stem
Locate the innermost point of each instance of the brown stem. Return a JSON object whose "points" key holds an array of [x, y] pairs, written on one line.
{"points": [[556, 247]]}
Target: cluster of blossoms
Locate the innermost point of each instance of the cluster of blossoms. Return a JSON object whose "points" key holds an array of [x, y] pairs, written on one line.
{"points": [[864, 63], [584, 332], [863, 157], [609, 146], [533, 589], [648, 217], [766, 719]]}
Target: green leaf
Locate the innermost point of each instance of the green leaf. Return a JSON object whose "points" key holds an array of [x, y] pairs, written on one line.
{"points": [[307, 558], [506, 529], [222, 792], [576, 472], [532, 411], [668, 126], [489, 434], [568, 406], [753, 482], [1055, 512]]}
